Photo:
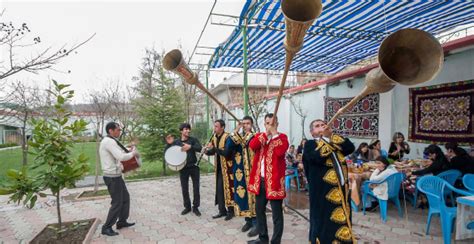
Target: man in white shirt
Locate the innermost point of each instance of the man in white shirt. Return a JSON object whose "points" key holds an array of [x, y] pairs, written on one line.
{"points": [[111, 155]]}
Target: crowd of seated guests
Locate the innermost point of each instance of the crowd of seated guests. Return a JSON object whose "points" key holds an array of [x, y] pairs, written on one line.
{"points": [[294, 162]]}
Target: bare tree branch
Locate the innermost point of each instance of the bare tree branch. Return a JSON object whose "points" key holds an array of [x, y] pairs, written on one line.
{"points": [[20, 105], [300, 112], [13, 38]]}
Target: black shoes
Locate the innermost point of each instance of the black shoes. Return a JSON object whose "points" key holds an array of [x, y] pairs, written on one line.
{"points": [[219, 215], [229, 216], [124, 225], [196, 212], [253, 232], [246, 226], [185, 211], [109, 232]]}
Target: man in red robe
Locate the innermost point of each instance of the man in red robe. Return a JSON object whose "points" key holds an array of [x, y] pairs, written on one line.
{"points": [[267, 178]]}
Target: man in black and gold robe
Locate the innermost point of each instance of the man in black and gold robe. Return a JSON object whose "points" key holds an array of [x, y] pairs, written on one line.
{"points": [[224, 198], [326, 171], [238, 144]]}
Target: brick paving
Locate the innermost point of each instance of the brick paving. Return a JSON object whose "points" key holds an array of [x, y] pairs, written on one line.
{"points": [[156, 207]]}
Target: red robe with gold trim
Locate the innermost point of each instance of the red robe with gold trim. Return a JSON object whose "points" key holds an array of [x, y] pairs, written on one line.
{"points": [[273, 154]]}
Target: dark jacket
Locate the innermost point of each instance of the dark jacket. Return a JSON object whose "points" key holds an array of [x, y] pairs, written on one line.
{"points": [[462, 162], [196, 147], [439, 165], [405, 149]]}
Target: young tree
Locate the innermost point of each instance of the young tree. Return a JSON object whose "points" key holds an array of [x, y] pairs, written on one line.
{"points": [[300, 112], [257, 110], [160, 106], [101, 105], [24, 102], [52, 143]]}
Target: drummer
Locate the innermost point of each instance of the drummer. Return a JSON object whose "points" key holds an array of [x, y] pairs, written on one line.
{"points": [[191, 146]]}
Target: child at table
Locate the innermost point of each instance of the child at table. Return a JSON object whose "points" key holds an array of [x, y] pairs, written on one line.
{"points": [[383, 169]]}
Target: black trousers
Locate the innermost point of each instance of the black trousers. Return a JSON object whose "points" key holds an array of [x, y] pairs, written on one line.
{"points": [[277, 215], [220, 199], [251, 220], [120, 208], [184, 174]]}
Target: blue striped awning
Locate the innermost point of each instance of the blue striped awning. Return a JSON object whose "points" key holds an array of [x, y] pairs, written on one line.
{"points": [[346, 33]]}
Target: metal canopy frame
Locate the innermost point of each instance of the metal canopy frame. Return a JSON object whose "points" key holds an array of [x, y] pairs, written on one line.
{"points": [[253, 19]]}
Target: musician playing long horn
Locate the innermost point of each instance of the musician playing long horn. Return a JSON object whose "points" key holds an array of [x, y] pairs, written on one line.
{"points": [[242, 156], [267, 178], [224, 196], [326, 171], [191, 146], [111, 154]]}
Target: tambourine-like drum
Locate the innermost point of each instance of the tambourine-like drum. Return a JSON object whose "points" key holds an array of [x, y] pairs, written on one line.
{"points": [[175, 158], [131, 164]]}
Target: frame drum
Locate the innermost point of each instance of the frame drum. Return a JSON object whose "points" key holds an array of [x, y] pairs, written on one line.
{"points": [[175, 158]]}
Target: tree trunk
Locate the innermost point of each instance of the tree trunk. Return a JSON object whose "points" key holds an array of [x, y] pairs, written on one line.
{"points": [[24, 147], [302, 127], [58, 209], [97, 159]]}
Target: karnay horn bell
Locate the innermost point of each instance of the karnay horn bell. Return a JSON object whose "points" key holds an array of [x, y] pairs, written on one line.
{"points": [[407, 57], [299, 16], [174, 62]]}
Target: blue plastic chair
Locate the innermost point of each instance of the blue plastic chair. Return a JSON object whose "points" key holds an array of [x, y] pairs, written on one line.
{"points": [[468, 182], [450, 176], [291, 176], [435, 189], [354, 207], [393, 184]]}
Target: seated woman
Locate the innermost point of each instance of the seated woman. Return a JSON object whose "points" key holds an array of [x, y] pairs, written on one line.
{"points": [[439, 161], [362, 153], [459, 159], [376, 150], [398, 147], [382, 171]]}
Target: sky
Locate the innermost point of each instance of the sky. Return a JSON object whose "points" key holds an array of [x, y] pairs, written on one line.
{"points": [[123, 29]]}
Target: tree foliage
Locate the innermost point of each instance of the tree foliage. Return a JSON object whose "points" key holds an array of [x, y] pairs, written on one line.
{"points": [[52, 142], [160, 106]]}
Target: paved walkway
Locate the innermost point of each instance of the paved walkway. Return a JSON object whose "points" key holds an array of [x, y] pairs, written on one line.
{"points": [[156, 207]]}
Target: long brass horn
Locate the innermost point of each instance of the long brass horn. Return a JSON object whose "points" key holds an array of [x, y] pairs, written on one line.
{"points": [[407, 57], [299, 16], [174, 62]]}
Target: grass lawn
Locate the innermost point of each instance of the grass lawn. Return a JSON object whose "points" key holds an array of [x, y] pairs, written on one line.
{"points": [[12, 159]]}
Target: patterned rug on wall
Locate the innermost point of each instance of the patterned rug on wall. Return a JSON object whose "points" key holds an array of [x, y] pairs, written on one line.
{"points": [[362, 121], [442, 113]]}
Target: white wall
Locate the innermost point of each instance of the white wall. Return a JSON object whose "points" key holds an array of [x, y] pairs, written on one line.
{"points": [[394, 105], [457, 67]]}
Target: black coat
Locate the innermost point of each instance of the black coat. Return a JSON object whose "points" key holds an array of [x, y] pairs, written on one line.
{"points": [[196, 147], [326, 221], [462, 162]]}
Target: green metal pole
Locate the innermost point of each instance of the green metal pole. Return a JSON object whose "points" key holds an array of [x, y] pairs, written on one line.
{"points": [[246, 91], [207, 106]]}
